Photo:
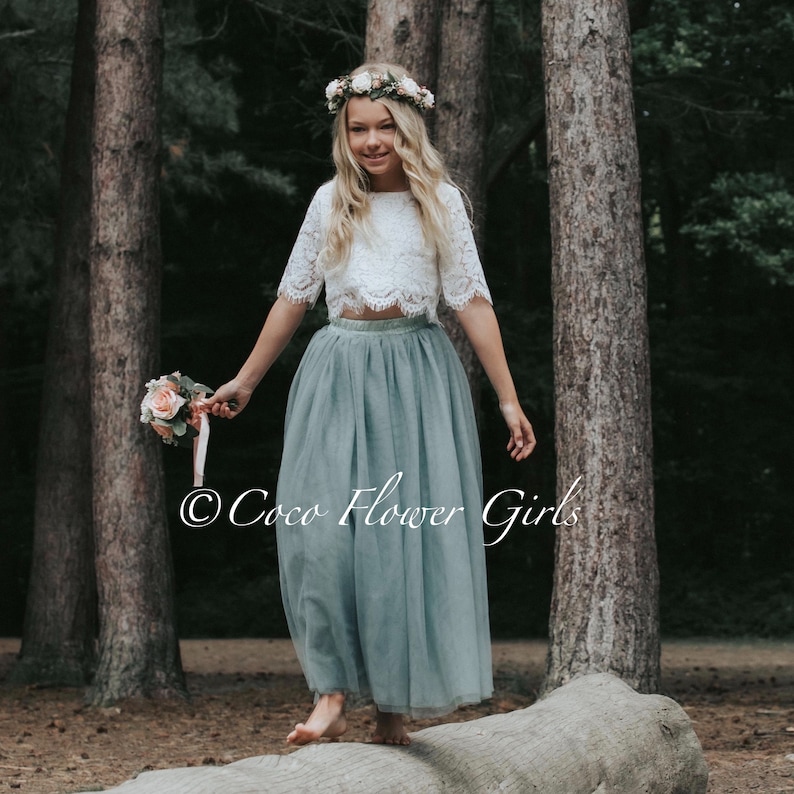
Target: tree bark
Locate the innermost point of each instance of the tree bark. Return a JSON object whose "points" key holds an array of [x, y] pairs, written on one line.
{"points": [[594, 735], [604, 614], [138, 651], [411, 34], [461, 127], [58, 642], [404, 32]]}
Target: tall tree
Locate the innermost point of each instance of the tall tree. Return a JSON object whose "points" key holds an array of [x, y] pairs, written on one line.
{"points": [[404, 32], [58, 641], [445, 40], [138, 649], [604, 615], [461, 125]]}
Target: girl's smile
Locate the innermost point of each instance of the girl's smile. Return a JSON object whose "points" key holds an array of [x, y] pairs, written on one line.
{"points": [[370, 133]]}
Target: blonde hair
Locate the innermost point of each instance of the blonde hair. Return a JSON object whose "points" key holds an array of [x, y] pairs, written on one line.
{"points": [[424, 170]]}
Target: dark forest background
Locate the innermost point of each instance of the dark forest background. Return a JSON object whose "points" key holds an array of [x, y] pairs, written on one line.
{"points": [[246, 142]]}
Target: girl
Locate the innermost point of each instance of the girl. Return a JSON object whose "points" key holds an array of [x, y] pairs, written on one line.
{"points": [[385, 590]]}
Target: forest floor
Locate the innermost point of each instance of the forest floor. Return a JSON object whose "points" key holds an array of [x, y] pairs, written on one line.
{"points": [[247, 694]]}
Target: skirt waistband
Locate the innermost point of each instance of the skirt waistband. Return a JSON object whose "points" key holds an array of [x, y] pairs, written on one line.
{"points": [[396, 325]]}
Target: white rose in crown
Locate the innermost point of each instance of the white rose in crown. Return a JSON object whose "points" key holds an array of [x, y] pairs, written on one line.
{"points": [[429, 100], [331, 89], [410, 87], [361, 83]]}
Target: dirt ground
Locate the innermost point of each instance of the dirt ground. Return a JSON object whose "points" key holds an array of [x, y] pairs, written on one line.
{"points": [[247, 695]]}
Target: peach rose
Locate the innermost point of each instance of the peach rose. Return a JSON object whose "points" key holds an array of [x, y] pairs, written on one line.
{"points": [[164, 401], [166, 431]]}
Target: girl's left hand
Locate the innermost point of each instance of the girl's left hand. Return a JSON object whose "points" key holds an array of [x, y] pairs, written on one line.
{"points": [[522, 437]]}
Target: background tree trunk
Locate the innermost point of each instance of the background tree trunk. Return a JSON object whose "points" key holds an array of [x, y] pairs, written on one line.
{"points": [[413, 35], [604, 614], [138, 651], [404, 32], [461, 126], [58, 641], [594, 735]]}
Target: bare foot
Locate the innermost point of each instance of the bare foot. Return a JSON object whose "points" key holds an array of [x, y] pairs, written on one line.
{"points": [[389, 729], [327, 719]]}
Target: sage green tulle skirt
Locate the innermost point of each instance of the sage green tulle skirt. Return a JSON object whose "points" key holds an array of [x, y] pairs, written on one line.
{"points": [[384, 582]]}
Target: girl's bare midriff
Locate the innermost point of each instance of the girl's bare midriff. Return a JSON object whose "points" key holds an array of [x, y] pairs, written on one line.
{"points": [[389, 313]]}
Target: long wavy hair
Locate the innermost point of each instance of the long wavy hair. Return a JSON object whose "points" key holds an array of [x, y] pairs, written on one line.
{"points": [[424, 169]]}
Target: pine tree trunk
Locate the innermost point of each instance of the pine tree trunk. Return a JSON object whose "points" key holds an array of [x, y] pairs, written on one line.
{"points": [[138, 650], [605, 601], [404, 32], [413, 35], [59, 637], [461, 126]]}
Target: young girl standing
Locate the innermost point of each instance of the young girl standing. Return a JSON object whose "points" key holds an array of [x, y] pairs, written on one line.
{"points": [[385, 592]]}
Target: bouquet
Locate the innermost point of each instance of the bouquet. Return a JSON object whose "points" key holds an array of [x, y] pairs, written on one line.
{"points": [[169, 406]]}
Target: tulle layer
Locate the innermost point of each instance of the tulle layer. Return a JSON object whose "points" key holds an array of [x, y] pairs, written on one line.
{"points": [[385, 586]]}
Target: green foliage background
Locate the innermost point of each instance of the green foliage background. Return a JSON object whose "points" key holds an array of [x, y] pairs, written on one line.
{"points": [[245, 143]]}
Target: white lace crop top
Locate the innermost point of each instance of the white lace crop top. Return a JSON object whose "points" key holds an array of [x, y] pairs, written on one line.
{"points": [[396, 269]]}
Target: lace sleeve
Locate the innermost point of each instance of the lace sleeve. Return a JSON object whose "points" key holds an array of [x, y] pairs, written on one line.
{"points": [[462, 279], [302, 280]]}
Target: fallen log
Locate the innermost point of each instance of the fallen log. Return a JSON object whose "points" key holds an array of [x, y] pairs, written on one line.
{"points": [[594, 735]]}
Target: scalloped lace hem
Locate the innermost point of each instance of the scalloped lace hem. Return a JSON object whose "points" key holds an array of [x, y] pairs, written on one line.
{"points": [[299, 296], [465, 300], [407, 308]]}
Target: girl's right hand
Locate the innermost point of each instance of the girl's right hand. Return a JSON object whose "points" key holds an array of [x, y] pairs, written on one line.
{"points": [[522, 436], [229, 400]]}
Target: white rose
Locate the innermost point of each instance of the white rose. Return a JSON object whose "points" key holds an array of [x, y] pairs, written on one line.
{"points": [[429, 99], [361, 83], [331, 89], [409, 86]]}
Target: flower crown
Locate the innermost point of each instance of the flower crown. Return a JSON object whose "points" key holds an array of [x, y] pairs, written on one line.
{"points": [[376, 85]]}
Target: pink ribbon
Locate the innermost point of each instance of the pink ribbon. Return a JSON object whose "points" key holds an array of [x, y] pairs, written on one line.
{"points": [[200, 443]]}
